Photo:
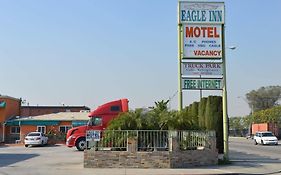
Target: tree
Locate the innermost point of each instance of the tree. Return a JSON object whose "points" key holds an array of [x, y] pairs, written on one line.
{"points": [[238, 124], [264, 97], [181, 120], [272, 115], [193, 113], [131, 120], [201, 113], [161, 105], [157, 118], [213, 118]]}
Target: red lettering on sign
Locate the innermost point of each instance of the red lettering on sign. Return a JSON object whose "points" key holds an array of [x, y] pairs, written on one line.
{"points": [[207, 52], [210, 32]]}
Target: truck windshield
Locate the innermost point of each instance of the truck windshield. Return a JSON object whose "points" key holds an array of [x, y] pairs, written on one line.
{"points": [[95, 121]]}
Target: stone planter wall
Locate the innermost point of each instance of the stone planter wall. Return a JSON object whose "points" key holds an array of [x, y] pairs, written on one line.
{"points": [[174, 158]]}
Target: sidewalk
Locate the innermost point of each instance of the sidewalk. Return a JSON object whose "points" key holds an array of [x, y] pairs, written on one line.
{"points": [[234, 168]]}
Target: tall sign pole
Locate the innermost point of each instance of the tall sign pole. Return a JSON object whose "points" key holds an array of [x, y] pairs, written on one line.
{"points": [[224, 101], [179, 61], [201, 37]]}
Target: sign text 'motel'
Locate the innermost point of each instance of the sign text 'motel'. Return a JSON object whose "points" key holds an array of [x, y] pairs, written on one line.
{"points": [[205, 84], [201, 12], [202, 41]]}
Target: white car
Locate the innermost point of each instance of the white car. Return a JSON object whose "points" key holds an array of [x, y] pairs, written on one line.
{"points": [[265, 138], [35, 138]]}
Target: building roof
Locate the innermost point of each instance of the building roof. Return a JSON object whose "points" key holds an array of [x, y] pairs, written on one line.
{"points": [[66, 107], [62, 116], [8, 97]]}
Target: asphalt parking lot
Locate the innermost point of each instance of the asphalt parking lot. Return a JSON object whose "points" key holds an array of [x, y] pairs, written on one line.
{"points": [[55, 159], [61, 160]]}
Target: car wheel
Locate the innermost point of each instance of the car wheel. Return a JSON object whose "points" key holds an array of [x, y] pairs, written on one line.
{"points": [[255, 142], [81, 144], [26, 146], [262, 142]]}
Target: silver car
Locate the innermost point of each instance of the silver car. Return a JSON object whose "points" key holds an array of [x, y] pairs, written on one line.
{"points": [[35, 138], [265, 138]]}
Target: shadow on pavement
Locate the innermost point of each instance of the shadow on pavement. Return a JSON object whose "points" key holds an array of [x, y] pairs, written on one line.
{"points": [[241, 160], [54, 145], [8, 159], [244, 158], [42, 146]]}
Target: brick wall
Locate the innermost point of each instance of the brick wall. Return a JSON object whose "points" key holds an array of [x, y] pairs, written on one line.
{"points": [[156, 159], [11, 109], [25, 129], [122, 159]]}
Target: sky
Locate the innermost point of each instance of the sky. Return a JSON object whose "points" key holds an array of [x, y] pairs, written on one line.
{"points": [[90, 52]]}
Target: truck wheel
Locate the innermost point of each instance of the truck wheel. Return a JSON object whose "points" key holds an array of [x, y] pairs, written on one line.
{"points": [[81, 144]]}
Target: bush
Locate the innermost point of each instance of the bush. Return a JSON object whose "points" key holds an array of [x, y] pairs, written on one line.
{"points": [[56, 137], [206, 114]]}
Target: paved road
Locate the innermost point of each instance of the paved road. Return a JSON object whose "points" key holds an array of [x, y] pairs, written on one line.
{"points": [[60, 160], [244, 149], [250, 158]]}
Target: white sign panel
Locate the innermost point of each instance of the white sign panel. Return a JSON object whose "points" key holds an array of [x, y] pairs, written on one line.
{"points": [[204, 84], [202, 41], [202, 68], [93, 135], [201, 12]]}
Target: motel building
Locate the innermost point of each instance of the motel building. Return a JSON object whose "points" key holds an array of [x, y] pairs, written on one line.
{"points": [[17, 121]]}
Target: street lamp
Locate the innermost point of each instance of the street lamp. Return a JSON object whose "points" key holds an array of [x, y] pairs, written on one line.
{"points": [[224, 102], [231, 47]]}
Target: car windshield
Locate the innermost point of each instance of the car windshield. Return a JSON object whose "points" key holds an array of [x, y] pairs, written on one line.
{"points": [[33, 134], [267, 134]]}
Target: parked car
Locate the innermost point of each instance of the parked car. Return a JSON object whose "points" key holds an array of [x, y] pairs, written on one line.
{"points": [[35, 138], [265, 138]]}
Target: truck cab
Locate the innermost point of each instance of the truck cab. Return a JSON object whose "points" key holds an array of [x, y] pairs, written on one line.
{"points": [[99, 120]]}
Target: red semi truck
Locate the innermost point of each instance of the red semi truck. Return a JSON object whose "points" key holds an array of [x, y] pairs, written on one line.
{"points": [[99, 120]]}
